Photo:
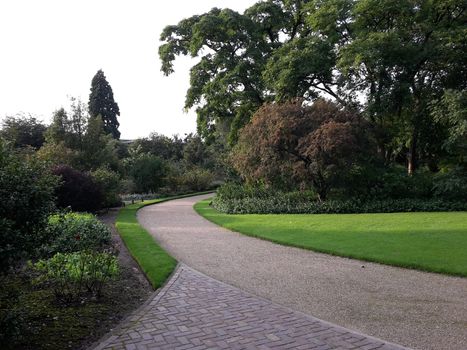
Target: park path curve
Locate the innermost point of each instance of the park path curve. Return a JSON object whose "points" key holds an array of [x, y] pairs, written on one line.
{"points": [[194, 311], [417, 309]]}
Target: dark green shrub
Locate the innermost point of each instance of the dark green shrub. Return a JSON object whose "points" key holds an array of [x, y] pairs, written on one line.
{"points": [[72, 232], [78, 190], [451, 185], [289, 205], [196, 179], [148, 173], [109, 184], [232, 190], [127, 186], [394, 183], [72, 274], [26, 200]]}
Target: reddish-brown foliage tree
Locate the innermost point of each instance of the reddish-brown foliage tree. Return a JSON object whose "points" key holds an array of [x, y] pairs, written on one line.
{"points": [[291, 143]]}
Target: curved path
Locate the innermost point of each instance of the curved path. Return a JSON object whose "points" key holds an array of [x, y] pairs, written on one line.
{"points": [[416, 309]]}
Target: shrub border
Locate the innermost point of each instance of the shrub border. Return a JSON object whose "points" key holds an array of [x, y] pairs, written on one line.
{"points": [[154, 261]]}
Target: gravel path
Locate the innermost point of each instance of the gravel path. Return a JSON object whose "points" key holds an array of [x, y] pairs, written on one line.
{"points": [[416, 309]]}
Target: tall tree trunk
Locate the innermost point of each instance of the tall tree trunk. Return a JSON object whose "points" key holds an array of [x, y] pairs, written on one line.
{"points": [[412, 155], [412, 159]]}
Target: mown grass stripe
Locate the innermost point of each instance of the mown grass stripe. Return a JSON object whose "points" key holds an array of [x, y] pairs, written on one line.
{"points": [[154, 261], [433, 242]]}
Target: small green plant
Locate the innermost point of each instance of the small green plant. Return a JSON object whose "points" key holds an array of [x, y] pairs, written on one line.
{"points": [[72, 232], [73, 274]]}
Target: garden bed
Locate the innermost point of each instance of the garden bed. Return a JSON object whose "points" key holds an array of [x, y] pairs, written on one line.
{"points": [[45, 323]]}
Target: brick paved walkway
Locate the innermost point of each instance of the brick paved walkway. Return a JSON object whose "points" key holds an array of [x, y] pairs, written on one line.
{"points": [[194, 311]]}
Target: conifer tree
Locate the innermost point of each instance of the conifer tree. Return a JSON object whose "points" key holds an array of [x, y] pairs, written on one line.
{"points": [[101, 102]]}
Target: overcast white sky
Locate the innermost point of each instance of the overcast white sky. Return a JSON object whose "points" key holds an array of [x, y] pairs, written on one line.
{"points": [[51, 49]]}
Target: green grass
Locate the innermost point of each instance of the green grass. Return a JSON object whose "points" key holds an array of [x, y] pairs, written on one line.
{"points": [[155, 262], [435, 242]]}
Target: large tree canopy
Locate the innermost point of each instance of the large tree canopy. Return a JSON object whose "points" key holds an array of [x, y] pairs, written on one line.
{"points": [[227, 85], [101, 103], [389, 59], [23, 131], [403, 55]]}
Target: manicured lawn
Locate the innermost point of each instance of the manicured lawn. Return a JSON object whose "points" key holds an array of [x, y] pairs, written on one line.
{"points": [[155, 262], [434, 242]]}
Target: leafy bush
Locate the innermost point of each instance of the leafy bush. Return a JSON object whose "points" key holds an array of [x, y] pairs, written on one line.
{"points": [[72, 232], [196, 179], [451, 185], [148, 173], [127, 186], [395, 184], [288, 205], [234, 198], [78, 190], [231, 190], [72, 274], [26, 200], [109, 184]]}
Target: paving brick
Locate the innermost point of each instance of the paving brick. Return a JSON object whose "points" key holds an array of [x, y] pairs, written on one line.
{"points": [[194, 311]]}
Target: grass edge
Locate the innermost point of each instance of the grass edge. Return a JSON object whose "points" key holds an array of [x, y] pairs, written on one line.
{"points": [[135, 237], [199, 207]]}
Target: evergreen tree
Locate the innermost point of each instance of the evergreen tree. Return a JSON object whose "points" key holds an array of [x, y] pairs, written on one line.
{"points": [[101, 102]]}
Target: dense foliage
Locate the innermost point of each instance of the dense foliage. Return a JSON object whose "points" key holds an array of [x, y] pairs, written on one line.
{"points": [[109, 183], [73, 232], [164, 165], [395, 62], [26, 200], [238, 199], [23, 131], [78, 140], [289, 143], [77, 190]]}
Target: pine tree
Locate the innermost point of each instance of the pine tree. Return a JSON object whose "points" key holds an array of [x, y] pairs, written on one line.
{"points": [[101, 102]]}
